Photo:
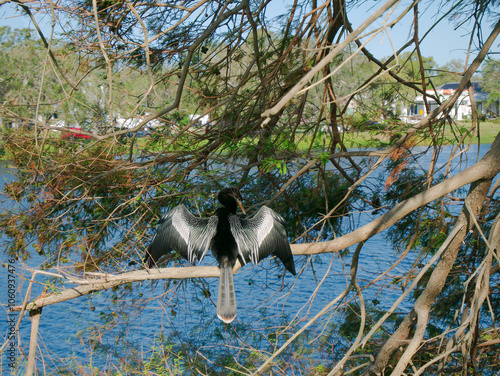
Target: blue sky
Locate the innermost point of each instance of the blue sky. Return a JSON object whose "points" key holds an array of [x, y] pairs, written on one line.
{"points": [[443, 44]]}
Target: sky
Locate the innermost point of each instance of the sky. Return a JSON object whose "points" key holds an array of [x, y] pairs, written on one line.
{"points": [[443, 44]]}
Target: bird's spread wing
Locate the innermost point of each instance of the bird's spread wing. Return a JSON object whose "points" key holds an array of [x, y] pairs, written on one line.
{"points": [[262, 235], [183, 232]]}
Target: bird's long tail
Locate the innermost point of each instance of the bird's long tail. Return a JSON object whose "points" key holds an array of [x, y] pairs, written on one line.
{"points": [[226, 301]]}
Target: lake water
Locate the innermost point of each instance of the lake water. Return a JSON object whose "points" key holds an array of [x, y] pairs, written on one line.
{"points": [[70, 333]]}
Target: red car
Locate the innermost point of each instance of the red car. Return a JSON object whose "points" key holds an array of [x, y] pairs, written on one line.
{"points": [[74, 135]]}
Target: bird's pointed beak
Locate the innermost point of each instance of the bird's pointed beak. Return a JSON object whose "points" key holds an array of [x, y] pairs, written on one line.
{"points": [[241, 207]]}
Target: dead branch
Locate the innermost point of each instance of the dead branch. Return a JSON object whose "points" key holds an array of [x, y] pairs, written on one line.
{"points": [[35, 315]]}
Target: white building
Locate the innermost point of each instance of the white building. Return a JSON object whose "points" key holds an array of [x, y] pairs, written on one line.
{"points": [[462, 110], [199, 119]]}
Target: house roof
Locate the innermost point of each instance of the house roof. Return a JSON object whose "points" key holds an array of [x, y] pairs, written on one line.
{"points": [[447, 89], [479, 93], [454, 86]]}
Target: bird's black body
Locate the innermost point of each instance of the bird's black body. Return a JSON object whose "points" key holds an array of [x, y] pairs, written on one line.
{"points": [[223, 243], [228, 236]]}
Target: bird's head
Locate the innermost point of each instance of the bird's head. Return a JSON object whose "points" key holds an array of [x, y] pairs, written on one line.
{"points": [[229, 197]]}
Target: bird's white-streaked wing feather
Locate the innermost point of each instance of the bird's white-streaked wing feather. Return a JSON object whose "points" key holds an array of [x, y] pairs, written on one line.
{"points": [[185, 233], [260, 236], [245, 240], [180, 220], [200, 237]]}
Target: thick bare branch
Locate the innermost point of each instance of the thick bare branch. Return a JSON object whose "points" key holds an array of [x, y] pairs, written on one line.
{"points": [[486, 168]]}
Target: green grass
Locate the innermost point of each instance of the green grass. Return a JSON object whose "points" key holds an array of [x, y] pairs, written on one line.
{"points": [[488, 130]]}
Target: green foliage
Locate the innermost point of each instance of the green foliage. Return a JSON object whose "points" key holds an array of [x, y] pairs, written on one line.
{"points": [[272, 164], [491, 79]]}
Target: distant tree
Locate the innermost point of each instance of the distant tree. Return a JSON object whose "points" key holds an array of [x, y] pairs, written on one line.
{"points": [[20, 53], [491, 79], [450, 72]]}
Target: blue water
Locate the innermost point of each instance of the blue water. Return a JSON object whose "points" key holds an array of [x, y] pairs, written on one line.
{"points": [[180, 312]]}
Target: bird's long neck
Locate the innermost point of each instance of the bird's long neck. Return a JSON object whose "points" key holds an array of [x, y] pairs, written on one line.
{"points": [[225, 211], [229, 206]]}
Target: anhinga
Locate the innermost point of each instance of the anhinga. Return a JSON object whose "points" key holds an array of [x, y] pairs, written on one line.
{"points": [[228, 236]]}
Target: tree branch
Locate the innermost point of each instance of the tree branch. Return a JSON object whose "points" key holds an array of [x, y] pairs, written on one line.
{"points": [[419, 314], [486, 168], [326, 60], [35, 315]]}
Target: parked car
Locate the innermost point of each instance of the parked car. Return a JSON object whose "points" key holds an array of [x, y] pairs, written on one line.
{"points": [[74, 134]]}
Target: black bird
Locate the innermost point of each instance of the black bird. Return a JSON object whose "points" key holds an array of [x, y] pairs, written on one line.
{"points": [[228, 236]]}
